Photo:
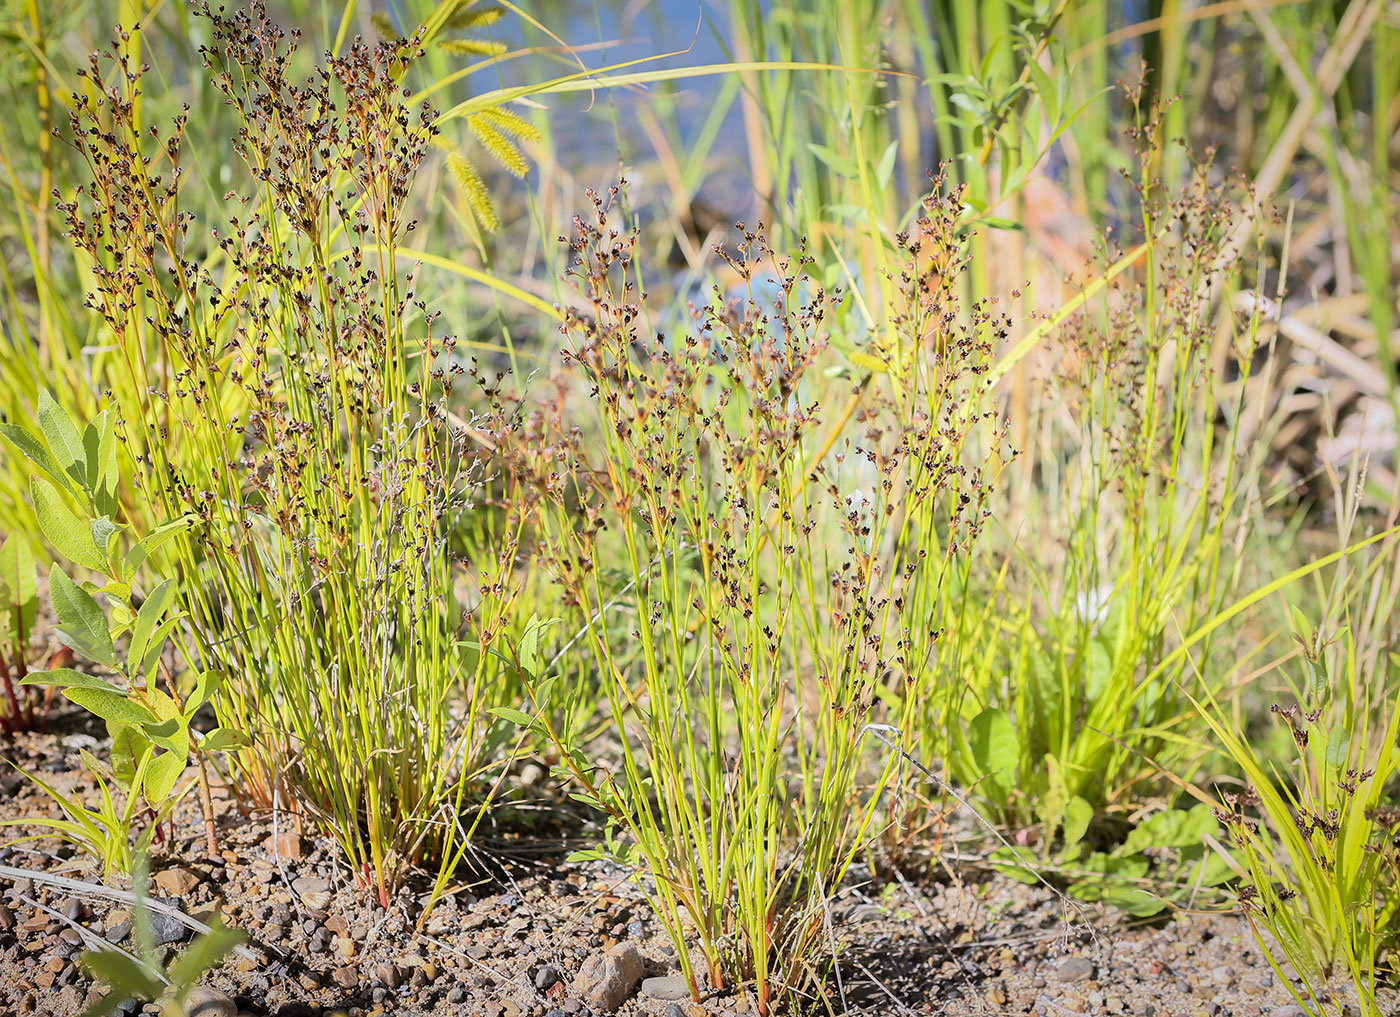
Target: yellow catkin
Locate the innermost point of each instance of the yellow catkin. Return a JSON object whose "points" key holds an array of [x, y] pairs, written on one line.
{"points": [[383, 25], [472, 47], [471, 16], [511, 123], [467, 178], [498, 144]]}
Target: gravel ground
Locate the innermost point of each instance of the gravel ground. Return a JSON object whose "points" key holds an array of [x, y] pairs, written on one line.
{"points": [[525, 939]]}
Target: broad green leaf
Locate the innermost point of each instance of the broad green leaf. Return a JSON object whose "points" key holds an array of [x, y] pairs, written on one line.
{"points": [[544, 689], [1045, 89], [966, 102], [886, 166], [1175, 828], [206, 686], [996, 222], [1338, 746], [83, 626], [70, 536], [116, 593], [223, 739], [112, 707], [992, 740], [33, 449], [170, 730], [833, 160], [129, 748], [1053, 803], [1008, 863], [100, 451], [126, 976], [1078, 813], [1133, 900], [146, 666], [152, 542], [205, 952], [528, 652], [103, 530], [148, 617], [67, 678], [1211, 870], [65, 442], [161, 774], [19, 603], [513, 715]]}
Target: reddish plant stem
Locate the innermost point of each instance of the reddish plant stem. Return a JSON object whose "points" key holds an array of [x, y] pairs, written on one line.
{"points": [[21, 717]]}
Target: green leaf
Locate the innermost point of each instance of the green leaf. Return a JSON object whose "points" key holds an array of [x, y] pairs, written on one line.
{"points": [[224, 739], [1135, 901], [127, 977], [886, 166], [148, 617], [205, 952], [152, 542], [33, 449], [1045, 88], [103, 530], [1006, 861], [206, 686], [1212, 870], [65, 442], [995, 222], [1078, 813], [966, 102], [100, 452], [129, 748], [513, 715], [146, 666], [1100, 668], [1172, 828], [992, 739], [528, 652], [112, 707], [833, 160], [170, 730], [67, 678], [69, 535], [161, 774], [1338, 746], [82, 623], [19, 592]]}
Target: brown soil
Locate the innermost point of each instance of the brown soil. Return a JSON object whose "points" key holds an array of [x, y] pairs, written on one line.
{"points": [[975, 943]]}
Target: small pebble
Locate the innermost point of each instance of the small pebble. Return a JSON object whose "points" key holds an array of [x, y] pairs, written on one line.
{"points": [[1075, 969], [665, 987]]}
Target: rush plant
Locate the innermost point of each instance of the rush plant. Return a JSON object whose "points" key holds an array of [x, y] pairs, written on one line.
{"points": [[746, 632], [1146, 504], [304, 424], [1315, 834]]}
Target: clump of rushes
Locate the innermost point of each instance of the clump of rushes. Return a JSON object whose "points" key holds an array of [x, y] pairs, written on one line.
{"points": [[1316, 837], [934, 450], [300, 411], [1147, 481], [733, 597]]}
